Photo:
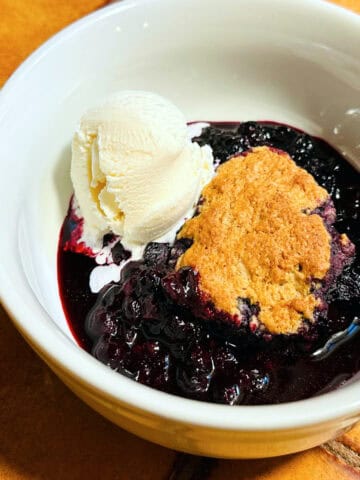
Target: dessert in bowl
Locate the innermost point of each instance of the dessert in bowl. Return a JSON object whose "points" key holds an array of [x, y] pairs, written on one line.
{"points": [[239, 292], [240, 65]]}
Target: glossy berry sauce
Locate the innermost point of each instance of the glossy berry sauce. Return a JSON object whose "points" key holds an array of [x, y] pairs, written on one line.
{"points": [[147, 326]]}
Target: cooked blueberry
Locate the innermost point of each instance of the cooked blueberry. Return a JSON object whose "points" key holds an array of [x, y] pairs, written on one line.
{"points": [[255, 134], [225, 362], [177, 329], [230, 394], [193, 383], [180, 246], [156, 253], [119, 254], [110, 351], [283, 137], [149, 364], [181, 286], [130, 270], [132, 310], [108, 238], [347, 286], [95, 322]]}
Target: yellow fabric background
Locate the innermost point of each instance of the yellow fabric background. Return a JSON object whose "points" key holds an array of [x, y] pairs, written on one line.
{"points": [[26, 24]]}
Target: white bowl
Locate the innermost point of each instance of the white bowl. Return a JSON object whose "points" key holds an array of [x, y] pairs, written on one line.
{"points": [[293, 62]]}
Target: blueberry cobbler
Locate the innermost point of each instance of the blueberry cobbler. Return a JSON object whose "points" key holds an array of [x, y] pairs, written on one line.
{"points": [[216, 261]]}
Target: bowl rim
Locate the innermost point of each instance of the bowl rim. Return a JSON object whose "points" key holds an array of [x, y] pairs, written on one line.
{"points": [[115, 388]]}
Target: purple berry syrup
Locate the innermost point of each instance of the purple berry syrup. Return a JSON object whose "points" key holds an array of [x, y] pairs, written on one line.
{"points": [[143, 327]]}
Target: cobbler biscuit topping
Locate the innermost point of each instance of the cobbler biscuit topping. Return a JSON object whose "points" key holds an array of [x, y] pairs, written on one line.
{"points": [[256, 237], [272, 244]]}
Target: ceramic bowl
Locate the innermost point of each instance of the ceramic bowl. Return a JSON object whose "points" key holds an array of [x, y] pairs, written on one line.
{"points": [[292, 62]]}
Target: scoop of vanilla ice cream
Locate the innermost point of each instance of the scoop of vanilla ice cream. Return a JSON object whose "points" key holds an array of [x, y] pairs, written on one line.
{"points": [[135, 171]]}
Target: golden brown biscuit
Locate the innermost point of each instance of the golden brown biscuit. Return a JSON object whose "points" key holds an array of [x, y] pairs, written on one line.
{"points": [[255, 238]]}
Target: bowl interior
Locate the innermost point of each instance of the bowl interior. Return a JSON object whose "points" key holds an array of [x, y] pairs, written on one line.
{"points": [[243, 61]]}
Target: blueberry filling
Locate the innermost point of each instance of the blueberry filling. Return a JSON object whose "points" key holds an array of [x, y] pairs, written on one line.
{"points": [[157, 328]]}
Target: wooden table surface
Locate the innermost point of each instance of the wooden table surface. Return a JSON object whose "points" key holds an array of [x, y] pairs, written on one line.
{"points": [[46, 433]]}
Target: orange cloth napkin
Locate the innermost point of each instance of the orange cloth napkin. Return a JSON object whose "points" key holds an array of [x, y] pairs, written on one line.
{"points": [[26, 24], [46, 433], [351, 4]]}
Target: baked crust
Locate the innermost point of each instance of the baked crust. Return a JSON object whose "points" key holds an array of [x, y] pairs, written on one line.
{"points": [[255, 237]]}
